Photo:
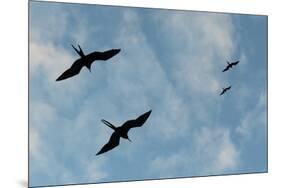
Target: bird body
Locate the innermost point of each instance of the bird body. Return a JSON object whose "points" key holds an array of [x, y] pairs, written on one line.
{"points": [[122, 131], [230, 65], [224, 90], [86, 60]]}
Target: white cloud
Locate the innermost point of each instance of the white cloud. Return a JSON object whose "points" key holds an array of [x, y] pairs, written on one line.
{"points": [[212, 152], [216, 148], [53, 60], [94, 170], [41, 114], [35, 142], [255, 118], [206, 42]]}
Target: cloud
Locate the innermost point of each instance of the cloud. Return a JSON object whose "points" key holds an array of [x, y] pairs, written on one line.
{"points": [[35, 142], [50, 21], [41, 115], [212, 152], [206, 42], [94, 171], [216, 147], [51, 59], [254, 119]]}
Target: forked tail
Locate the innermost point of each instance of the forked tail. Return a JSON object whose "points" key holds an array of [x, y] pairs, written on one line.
{"points": [[80, 51], [108, 124]]}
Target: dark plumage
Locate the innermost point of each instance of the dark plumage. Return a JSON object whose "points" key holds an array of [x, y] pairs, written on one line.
{"points": [[229, 65], [86, 60], [122, 131], [224, 90]]}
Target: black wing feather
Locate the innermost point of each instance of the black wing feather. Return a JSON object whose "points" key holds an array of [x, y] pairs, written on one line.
{"points": [[235, 63], [137, 122], [225, 69], [72, 71], [104, 55], [228, 88], [112, 143]]}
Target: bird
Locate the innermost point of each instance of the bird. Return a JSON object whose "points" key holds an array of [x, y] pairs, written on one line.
{"points": [[229, 65], [224, 90], [122, 131], [86, 60]]}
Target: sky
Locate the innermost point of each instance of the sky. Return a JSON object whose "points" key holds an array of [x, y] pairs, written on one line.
{"points": [[170, 62]]}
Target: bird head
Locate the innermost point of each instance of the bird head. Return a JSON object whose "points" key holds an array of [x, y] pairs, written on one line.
{"points": [[126, 137]]}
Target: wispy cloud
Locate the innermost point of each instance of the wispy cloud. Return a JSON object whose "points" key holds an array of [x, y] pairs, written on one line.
{"points": [[255, 118], [212, 152]]}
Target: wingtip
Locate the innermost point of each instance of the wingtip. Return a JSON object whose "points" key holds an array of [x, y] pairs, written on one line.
{"points": [[59, 79], [98, 153], [148, 113], [117, 50]]}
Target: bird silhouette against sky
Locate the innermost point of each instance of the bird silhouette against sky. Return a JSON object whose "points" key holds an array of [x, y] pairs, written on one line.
{"points": [[122, 131], [230, 65], [224, 90], [86, 60]]}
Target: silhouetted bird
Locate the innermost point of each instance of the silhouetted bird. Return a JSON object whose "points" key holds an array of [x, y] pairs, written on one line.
{"points": [[224, 90], [122, 131], [229, 65], [86, 60]]}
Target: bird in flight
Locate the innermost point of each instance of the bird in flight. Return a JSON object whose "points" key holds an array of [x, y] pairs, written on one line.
{"points": [[86, 60], [122, 131], [224, 90], [230, 65]]}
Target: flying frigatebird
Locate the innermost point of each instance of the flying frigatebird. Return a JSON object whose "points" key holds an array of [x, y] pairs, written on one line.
{"points": [[229, 65], [122, 131], [86, 60], [224, 90]]}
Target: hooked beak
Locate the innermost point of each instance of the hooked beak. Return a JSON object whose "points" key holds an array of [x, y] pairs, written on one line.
{"points": [[129, 140]]}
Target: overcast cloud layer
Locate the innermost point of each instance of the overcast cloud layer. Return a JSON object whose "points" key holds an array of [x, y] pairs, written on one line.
{"points": [[170, 62]]}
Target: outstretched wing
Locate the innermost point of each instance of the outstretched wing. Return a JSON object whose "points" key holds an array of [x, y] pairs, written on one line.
{"points": [[228, 88], [137, 122], [235, 63], [72, 71], [104, 55], [112, 143], [225, 69], [222, 92]]}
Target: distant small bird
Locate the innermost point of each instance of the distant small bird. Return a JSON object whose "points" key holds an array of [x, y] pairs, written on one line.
{"points": [[229, 65], [122, 131], [224, 90], [86, 60]]}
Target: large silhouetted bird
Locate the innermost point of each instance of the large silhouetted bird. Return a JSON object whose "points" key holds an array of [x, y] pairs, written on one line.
{"points": [[86, 60], [122, 131], [224, 90], [229, 65]]}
